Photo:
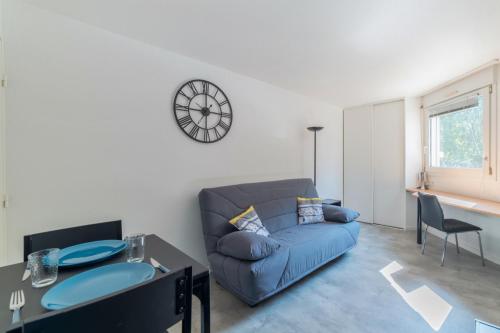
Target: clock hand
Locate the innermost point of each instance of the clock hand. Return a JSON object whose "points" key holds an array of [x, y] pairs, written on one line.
{"points": [[201, 120], [199, 105], [206, 100]]}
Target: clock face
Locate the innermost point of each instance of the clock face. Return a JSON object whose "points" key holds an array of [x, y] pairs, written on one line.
{"points": [[203, 111]]}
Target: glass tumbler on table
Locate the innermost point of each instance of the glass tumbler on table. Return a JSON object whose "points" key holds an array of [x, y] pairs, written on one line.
{"points": [[135, 247], [43, 267]]}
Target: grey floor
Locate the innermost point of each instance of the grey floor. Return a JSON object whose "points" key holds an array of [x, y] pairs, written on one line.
{"points": [[350, 295]]}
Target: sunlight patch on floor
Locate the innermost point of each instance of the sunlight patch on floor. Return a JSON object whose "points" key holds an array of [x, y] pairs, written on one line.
{"points": [[429, 305]]}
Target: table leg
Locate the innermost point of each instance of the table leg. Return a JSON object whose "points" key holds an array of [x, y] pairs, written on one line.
{"points": [[419, 223], [202, 291], [186, 322]]}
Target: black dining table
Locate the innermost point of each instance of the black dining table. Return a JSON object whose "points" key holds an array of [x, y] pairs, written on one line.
{"points": [[165, 253]]}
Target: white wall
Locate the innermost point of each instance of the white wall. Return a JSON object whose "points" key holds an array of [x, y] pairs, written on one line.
{"points": [[413, 155], [413, 140], [91, 134], [329, 151]]}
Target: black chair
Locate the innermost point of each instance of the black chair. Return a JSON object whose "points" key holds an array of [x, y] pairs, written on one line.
{"points": [[151, 307], [432, 215], [71, 236]]}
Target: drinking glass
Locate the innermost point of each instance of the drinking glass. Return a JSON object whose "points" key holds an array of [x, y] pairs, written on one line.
{"points": [[43, 267], [135, 247]]}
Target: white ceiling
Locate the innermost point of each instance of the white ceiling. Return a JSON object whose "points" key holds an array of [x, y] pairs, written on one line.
{"points": [[345, 52]]}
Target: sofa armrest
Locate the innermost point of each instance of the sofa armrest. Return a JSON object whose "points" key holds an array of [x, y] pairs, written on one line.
{"points": [[339, 214], [247, 245]]}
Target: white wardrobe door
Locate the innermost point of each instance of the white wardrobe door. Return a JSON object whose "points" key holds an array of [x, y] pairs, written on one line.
{"points": [[388, 164], [358, 171]]}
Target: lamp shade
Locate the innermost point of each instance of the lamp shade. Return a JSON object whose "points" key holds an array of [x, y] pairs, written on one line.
{"points": [[315, 128]]}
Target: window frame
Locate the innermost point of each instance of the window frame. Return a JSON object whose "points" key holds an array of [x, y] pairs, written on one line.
{"points": [[488, 169]]}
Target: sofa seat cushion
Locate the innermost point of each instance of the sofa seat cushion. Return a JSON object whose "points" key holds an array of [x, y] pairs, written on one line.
{"points": [[312, 245]]}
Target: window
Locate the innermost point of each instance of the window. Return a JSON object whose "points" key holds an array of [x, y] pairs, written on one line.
{"points": [[456, 135], [459, 133]]}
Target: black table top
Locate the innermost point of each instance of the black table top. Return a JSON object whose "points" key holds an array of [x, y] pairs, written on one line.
{"points": [[10, 277]]}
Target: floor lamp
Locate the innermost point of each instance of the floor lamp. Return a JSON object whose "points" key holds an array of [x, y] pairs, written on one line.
{"points": [[315, 129]]}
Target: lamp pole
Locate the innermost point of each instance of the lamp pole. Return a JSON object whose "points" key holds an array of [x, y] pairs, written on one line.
{"points": [[315, 129]]}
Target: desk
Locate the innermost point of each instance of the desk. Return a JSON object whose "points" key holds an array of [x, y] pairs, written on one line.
{"points": [[165, 253], [476, 205]]}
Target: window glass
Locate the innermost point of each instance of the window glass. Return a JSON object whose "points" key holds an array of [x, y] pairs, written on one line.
{"points": [[456, 137]]}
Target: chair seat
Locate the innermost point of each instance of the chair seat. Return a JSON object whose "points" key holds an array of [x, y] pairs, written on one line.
{"points": [[453, 226]]}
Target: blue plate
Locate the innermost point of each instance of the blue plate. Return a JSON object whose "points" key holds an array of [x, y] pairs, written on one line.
{"points": [[96, 283], [91, 252]]}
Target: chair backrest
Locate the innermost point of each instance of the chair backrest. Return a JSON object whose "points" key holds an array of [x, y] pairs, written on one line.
{"points": [[151, 307], [431, 211], [71, 236]]}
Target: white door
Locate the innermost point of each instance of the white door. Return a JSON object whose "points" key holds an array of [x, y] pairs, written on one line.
{"points": [[358, 170], [388, 164]]}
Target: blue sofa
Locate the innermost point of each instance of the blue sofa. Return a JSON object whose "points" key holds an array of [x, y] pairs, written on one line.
{"points": [[291, 252]]}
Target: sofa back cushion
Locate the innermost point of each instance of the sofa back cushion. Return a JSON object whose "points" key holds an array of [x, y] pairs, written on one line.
{"points": [[275, 203]]}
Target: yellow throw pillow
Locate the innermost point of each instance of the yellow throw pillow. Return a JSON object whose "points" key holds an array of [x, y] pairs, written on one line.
{"points": [[249, 221]]}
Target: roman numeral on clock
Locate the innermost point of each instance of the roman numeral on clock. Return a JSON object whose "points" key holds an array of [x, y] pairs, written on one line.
{"points": [[206, 135], [224, 126], [180, 107], [194, 131], [217, 134], [204, 87], [193, 88], [182, 93], [185, 121]]}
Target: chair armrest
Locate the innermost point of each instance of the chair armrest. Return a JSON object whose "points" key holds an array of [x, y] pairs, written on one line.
{"points": [[246, 245], [339, 214]]}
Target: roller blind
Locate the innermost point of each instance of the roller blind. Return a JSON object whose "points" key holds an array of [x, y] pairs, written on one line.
{"points": [[456, 104]]}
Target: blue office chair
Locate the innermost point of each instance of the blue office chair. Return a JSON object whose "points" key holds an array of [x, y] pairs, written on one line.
{"points": [[432, 215]]}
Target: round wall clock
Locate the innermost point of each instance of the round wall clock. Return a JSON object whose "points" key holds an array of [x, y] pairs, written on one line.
{"points": [[203, 111]]}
